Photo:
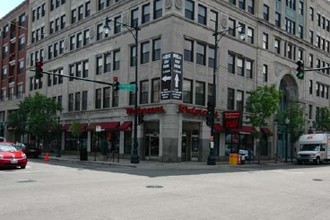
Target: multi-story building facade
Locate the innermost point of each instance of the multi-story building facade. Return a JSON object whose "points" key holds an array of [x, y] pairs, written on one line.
{"points": [[68, 37], [13, 38]]}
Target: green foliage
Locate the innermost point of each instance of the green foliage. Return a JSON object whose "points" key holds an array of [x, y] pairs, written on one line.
{"points": [[75, 129], [322, 121], [296, 121], [261, 104], [35, 115]]}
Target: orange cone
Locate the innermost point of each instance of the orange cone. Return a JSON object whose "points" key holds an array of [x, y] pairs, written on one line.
{"points": [[46, 157]]}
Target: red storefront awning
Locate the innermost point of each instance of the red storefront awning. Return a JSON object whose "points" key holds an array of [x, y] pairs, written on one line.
{"points": [[125, 125], [66, 127], [243, 130], [218, 128], [108, 125]]}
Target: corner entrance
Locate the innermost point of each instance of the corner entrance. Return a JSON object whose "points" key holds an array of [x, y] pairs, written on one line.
{"points": [[190, 142]]}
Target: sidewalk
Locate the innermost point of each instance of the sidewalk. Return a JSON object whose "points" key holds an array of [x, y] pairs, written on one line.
{"points": [[147, 163]]}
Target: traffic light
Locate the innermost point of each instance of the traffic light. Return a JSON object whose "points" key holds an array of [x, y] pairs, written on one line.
{"points": [[38, 70], [300, 69], [209, 113], [115, 83], [140, 119]]}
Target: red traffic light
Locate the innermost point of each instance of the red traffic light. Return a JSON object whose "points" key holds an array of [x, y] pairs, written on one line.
{"points": [[39, 65]]}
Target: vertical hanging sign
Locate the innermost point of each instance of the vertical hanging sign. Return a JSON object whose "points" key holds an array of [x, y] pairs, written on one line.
{"points": [[171, 78]]}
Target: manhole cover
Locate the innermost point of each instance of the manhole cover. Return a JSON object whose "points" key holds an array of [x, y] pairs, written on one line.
{"points": [[25, 181], [154, 186], [317, 180]]}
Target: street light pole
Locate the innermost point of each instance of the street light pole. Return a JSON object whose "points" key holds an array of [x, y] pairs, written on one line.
{"points": [[135, 156], [211, 158]]}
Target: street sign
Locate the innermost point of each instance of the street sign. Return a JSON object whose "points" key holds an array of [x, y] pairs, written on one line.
{"points": [[127, 87], [171, 77]]}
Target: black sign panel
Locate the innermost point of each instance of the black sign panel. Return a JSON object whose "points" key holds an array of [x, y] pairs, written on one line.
{"points": [[171, 78]]}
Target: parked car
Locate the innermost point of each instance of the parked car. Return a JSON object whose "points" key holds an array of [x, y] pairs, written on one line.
{"points": [[29, 149], [10, 156]]}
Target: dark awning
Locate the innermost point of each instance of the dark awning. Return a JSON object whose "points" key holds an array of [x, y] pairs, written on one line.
{"points": [[243, 130], [218, 128], [266, 131], [66, 127], [108, 125], [125, 125]]}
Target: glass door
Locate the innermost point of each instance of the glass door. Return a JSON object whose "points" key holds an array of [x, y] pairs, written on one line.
{"points": [[151, 146]]}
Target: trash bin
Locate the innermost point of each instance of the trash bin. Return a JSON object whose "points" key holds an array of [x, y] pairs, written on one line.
{"points": [[83, 151], [233, 159], [83, 154]]}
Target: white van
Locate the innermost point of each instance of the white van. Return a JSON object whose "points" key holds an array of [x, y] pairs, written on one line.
{"points": [[313, 148]]}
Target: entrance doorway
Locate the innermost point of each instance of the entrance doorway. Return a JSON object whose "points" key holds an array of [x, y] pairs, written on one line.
{"points": [[190, 145], [151, 150]]}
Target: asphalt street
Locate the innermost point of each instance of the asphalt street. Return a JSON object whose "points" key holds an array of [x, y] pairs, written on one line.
{"points": [[72, 190]]}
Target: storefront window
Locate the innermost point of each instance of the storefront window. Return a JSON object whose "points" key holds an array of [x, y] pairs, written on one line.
{"points": [[236, 142]]}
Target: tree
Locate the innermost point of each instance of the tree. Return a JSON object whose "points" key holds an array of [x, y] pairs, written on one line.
{"points": [[322, 120], [261, 104], [295, 126], [36, 115]]}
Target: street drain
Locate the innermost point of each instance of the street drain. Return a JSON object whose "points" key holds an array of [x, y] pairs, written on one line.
{"points": [[26, 181], [154, 186], [317, 180]]}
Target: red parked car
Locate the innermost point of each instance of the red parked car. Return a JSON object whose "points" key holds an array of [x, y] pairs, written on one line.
{"points": [[10, 156]]}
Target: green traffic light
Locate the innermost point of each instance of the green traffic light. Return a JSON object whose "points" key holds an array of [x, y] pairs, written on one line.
{"points": [[300, 75]]}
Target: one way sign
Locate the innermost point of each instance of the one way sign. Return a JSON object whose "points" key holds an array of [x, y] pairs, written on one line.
{"points": [[171, 78]]}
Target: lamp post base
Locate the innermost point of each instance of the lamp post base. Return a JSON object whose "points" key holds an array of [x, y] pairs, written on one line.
{"points": [[211, 158], [135, 157]]}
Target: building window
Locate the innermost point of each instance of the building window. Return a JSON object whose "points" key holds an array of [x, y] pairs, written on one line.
{"points": [[301, 8], [77, 101], [85, 69], [265, 72], [232, 27], [106, 97], [265, 41], [231, 63], [133, 56], [240, 100], [87, 9], [200, 93], [86, 37], [202, 14], [20, 66], [73, 16], [277, 19], [230, 99], [311, 13], [187, 91], [145, 13], [116, 60], [115, 99], [117, 25], [211, 53], [189, 50], [144, 92], [158, 8], [277, 45], [250, 35], [84, 100], [99, 31], [107, 62], [70, 104], [98, 99], [99, 65], [156, 51], [240, 66], [266, 12], [241, 4], [79, 40], [301, 31], [213, 19], [248, 68], [101, 4], [155, 90], [135, 17], [201, 53], [20, 91], [21, 43], [72, 42], [145, 51], [311, 37], [250, 6]]}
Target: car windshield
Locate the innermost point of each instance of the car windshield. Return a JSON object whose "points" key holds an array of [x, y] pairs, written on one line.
{"points": [[310, 147], [7, 148]]}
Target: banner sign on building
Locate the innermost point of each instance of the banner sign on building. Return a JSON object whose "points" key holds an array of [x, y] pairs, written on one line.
{"points": [[232, 119], [171, 77]]}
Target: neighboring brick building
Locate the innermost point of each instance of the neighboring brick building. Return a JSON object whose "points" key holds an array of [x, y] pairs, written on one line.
{"points": [[13, 39], [68, 36]]}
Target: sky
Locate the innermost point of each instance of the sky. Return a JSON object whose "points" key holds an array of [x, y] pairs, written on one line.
{"points": [[8, 5]]}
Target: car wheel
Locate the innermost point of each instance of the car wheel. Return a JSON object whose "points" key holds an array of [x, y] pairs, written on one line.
{"points": [[317, 161], [22, 167]]}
